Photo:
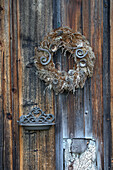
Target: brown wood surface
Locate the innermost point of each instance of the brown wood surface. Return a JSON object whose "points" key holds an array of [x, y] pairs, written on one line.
{"points": [[5, 86], [1, 83], [87, 18], [20, 87], [38, 147], [23, 25], [78, 125]]}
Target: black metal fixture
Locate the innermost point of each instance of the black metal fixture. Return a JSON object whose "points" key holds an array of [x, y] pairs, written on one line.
{"points": [[36, 120]]}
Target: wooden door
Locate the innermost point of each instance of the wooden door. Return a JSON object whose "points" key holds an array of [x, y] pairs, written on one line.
{"points": [[82, 119]]}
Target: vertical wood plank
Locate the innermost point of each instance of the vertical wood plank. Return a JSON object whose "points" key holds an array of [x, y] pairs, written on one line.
{"points": [[15, 87], [6, 88], [20, 96], [58, 99], [96, 85], [71, 16], [35, 21], [93, 30], [106, 85], [86, 30], [59, 132], [1, 83], [88, 19], [111, 73], [1, 112]]}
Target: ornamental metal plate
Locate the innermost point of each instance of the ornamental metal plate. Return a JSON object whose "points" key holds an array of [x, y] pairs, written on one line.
{"points": [[37, 120]]}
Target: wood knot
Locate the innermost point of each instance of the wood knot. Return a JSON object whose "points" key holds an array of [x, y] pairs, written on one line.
{"points": [[1, 8], [9, 116], [14, 89]]}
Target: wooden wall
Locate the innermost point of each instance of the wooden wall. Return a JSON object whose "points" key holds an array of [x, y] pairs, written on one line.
{"points": [[111, 73], [84, 115]]}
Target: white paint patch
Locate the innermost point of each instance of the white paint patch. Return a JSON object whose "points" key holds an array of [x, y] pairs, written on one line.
{"points": [[39, 7], [83, 161]]}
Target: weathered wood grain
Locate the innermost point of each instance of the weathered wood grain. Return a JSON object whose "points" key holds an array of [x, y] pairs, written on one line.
{"points": [[97, 95], [72, 106], [15, 87], [86, 30], [20, 99], [85, 114], [111, 72], [35, 21], [1, 83], [6, 88], [58, 100], [1, 113], [87, 17], [93, 30], [71, 16], [106, 85]]}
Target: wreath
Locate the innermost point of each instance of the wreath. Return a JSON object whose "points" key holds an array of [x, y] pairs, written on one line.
{"points": [[72, 45]]}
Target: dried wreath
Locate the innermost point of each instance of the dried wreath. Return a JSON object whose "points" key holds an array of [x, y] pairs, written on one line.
{"points": [[72, 44]]}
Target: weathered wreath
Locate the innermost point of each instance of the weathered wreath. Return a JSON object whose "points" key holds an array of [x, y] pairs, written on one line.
{"points": [[72, 44]]}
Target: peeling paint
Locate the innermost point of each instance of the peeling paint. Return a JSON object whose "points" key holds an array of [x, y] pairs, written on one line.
{"points": [[80, 161]]}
